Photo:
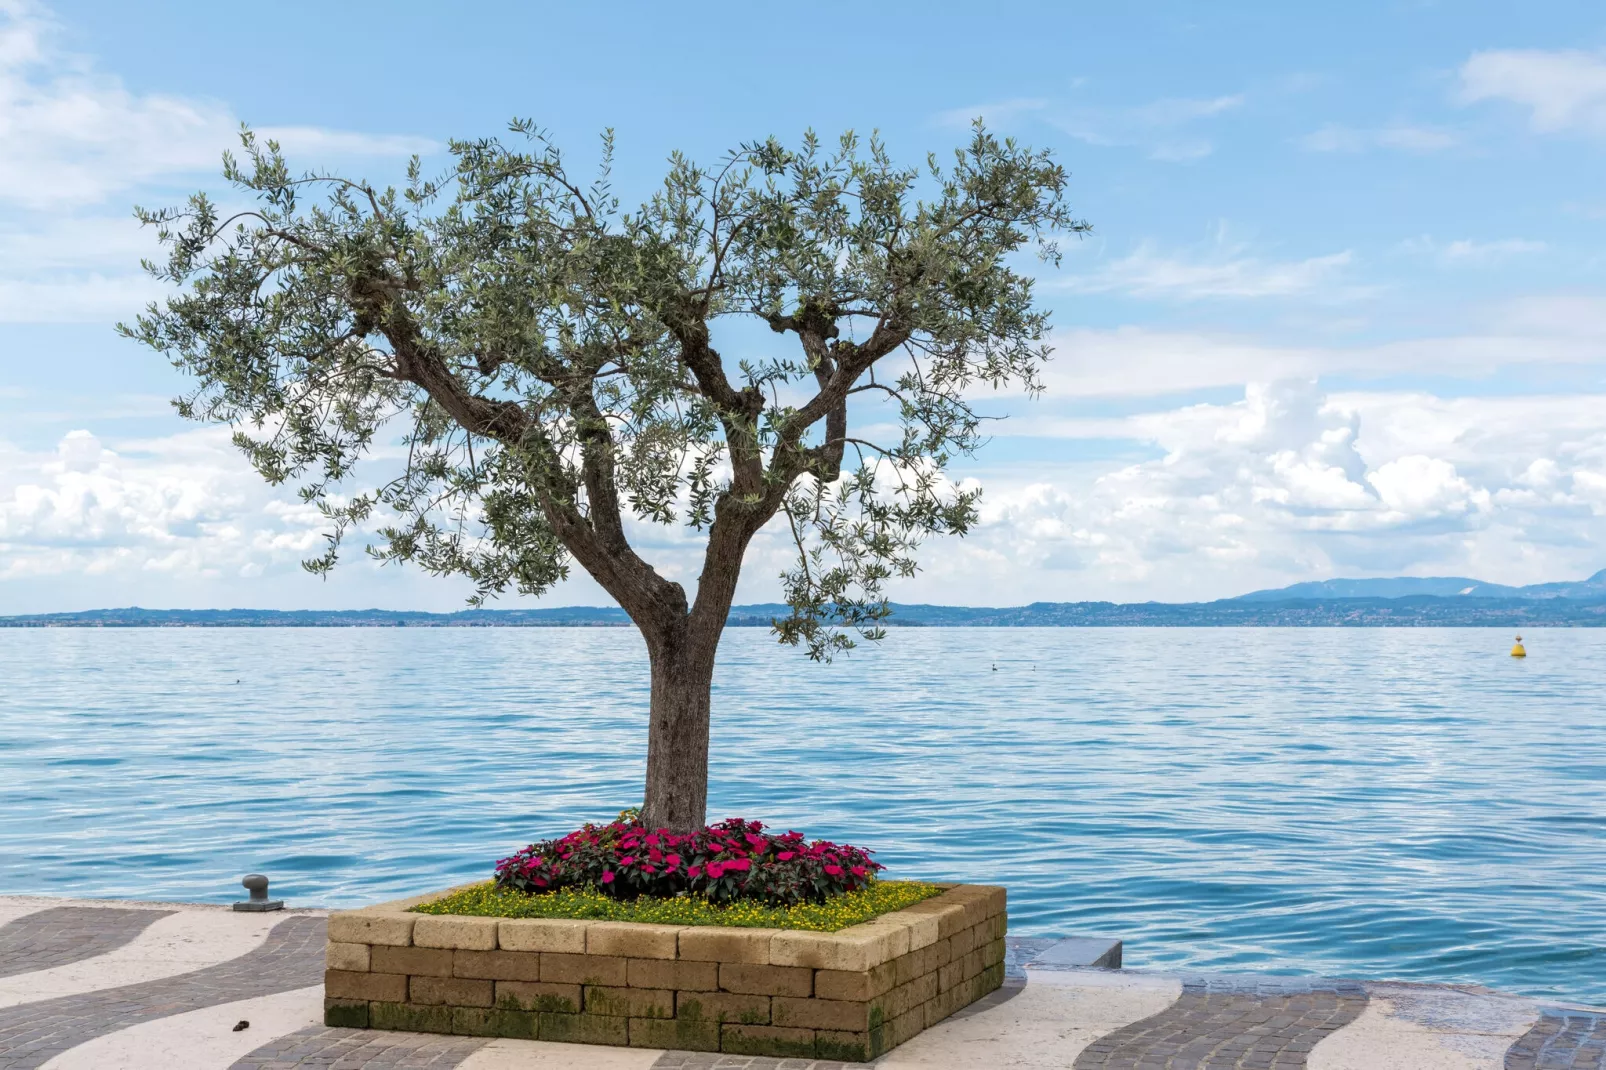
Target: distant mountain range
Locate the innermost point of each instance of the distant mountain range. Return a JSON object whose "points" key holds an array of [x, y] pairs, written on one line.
{"points": [[1404, 601], [1592, 589]]}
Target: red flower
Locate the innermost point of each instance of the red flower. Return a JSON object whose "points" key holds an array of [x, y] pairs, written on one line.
{"points": [[859, 871], [740, 865], [694, 872], [786, 856], [627, 860], [714, 870], [835, 871], [607, 876]]}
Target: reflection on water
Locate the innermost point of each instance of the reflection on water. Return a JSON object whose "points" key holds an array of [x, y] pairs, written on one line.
{"points": [[1385, 803]]}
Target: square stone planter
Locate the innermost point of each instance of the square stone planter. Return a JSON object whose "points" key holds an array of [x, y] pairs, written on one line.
{"points": [[847, 995]]}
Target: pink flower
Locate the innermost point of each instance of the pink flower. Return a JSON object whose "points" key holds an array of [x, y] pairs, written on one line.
{"points": [[859, 871], [628, 860], [607, 876], [715, 870], [694, 872], [740, 865], [786, 856], [673, 860], [835, 871]]}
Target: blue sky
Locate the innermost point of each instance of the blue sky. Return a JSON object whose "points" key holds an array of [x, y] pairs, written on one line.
{"points": [[1342, 312]]}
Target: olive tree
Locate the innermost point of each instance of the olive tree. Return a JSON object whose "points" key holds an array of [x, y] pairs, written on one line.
{"points": [[559, 371]]}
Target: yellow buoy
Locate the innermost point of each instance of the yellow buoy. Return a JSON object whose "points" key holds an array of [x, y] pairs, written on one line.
{"points": [[1517, 651]]}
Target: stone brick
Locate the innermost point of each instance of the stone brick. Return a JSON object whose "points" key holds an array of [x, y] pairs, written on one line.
{"points": [[452, 991], [353, 958], [907, 967], [906, 997], [497, 965], [992, 952], [859, 947], [940, 954], [339, 984], [722, 1007], [996, 900], [923, 927], [451, 931], [632, 940], [950, 975], [675, 1034], [766, 980], [950, 918], [862, 985], [584, 1029], [583, 969], [410, 1018], [706, 943], [848, 1047], [542, 934], [345, 1013], [538, 996], [629, 1002], [905, 1026], [767, 1040], [357, 927], [973, 964], [497, 1022], [820, 1013], [425, 961], [688, 976]]}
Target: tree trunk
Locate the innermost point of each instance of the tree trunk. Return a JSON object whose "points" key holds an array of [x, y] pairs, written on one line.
{"points": [[677, 740]]}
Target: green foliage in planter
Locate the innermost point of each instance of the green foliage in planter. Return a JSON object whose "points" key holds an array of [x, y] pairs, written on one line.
{"points": [[839, 912]]}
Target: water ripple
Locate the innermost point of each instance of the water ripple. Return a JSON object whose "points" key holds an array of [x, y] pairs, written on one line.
{"points": [[1382, 803]]}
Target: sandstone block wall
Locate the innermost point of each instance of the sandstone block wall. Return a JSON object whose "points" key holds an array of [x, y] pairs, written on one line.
{"points": [[848, 995]]}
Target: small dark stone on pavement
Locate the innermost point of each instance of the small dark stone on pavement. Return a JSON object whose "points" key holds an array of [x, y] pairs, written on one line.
{"points": [[241, 1024]]}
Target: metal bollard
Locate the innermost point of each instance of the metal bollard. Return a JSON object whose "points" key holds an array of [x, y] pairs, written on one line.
{"points": [[257, 884]]}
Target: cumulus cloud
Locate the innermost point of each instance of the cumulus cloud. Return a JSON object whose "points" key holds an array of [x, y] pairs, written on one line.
{"points": [[1289, 483], [1563, 89]]}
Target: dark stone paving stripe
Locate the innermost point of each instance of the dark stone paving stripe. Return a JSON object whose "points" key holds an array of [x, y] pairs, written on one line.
{"points": [[59, 935], [34, 1033], [370, 1049], [697, 1060], [1561, 1040], [1227, 1024]]}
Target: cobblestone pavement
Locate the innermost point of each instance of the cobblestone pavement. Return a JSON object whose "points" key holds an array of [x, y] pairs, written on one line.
{"points": [[1561, 1040], [31, 1034], [1225, 1024], [369, 1049], [691, 1060], [59, 935]]}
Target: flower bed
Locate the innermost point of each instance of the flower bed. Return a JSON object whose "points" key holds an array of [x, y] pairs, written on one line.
{"points": [[840, 911], [848, 995]]}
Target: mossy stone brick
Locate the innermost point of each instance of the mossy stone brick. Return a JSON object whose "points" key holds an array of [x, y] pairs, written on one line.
{"points": [[674, 1033], [783, 1043], [844, 1046], [410, 1017], [676, 976], [583, 969], [341, 984], [839, 1014], [450, 991], [345, 1013], [766, 980], [493, 1022], [746, 1009], [992, 953], [538, 996], [584, 1029], [413, 961], [629, 1002], [497, 965]]}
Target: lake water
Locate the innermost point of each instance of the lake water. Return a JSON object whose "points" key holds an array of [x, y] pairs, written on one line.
{"points": [[1376, 803]]}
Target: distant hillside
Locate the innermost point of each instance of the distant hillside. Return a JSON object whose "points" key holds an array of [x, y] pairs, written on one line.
{"points": [[1593, 588], [1406, 611]]}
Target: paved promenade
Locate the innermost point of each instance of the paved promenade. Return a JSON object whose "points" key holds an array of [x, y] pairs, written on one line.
{"points": [[87, 985]]}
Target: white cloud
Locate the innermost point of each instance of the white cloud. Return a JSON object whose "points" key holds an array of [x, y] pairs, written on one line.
{"points": [[1225, 272], [1469, 252], [1403, 136], [1562, 90], [997, 113], [73, 135]]}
